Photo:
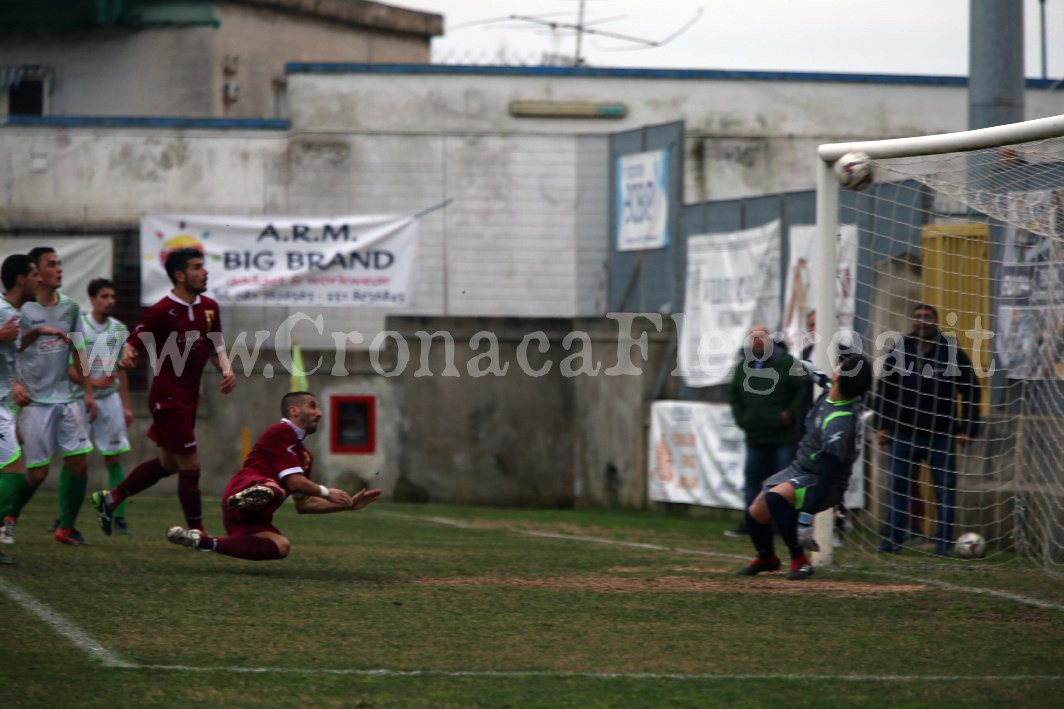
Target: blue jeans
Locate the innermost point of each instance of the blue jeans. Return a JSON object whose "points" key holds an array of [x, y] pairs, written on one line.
{"points": [[906, 452], [761, 462]]}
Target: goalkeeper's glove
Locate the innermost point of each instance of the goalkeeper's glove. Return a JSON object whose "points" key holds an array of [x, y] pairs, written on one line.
{"points": [[805, 532], [818, 375]]}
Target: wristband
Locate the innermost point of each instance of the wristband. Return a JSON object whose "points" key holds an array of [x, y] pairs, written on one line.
{"points": [[324, 491]]}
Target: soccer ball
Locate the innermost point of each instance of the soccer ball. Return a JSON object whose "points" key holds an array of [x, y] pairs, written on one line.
{"points": [[971, 545], [854, 171]]}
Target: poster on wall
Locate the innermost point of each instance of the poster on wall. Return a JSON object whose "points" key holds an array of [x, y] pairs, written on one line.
{"points": [[798, 282], [348, 261], [642, 201], [732, 284], [1030, 323], [697, 453]]}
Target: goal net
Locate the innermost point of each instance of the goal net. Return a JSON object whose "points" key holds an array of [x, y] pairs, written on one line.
{"points": [[957, 293]]}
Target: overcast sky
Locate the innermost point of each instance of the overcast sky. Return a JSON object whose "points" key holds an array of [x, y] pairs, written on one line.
{"points": [[873, 36]]}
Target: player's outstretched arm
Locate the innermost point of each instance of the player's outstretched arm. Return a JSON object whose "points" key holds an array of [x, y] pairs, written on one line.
{"points": [[318, 505], [299, 484]]}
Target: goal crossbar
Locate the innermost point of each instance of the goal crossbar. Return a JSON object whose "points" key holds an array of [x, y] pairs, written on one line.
{"points": [[1037, 129]]}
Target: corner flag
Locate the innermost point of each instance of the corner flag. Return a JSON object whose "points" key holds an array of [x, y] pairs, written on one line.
{"points": [[299, 375]]}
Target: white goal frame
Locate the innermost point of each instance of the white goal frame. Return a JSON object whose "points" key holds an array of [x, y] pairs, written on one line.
{"points": [[827, 225]]}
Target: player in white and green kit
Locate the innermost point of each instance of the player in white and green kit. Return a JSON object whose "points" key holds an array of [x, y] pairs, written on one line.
{"points": [[19, 277], [104, 339], [51, 420]]}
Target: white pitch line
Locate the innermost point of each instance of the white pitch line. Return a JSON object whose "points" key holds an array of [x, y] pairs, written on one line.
{"points": [[447, 521], [62, 626], [552, 674], [1007, 595]]}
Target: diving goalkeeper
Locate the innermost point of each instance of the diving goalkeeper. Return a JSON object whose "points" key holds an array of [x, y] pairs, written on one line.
{"points": [[818, 477]]}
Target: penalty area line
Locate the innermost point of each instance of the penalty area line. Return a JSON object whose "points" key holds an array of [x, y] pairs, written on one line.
{"points": [[64, 627], [458, 524], [561, 674]]}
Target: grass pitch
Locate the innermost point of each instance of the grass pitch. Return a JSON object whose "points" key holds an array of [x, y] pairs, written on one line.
{"points": [[402, 605]]}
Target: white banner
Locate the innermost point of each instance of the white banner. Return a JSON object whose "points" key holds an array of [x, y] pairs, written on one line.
{"points": [[337, 261], [798, 283], [642, 201], [732, 285], [697, 455]]}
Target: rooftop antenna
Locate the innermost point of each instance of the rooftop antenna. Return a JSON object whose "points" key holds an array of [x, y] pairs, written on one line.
{"points": [[582, 27]]}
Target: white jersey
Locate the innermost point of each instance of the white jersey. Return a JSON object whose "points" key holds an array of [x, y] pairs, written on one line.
{"points": [[103, 346], [8, 350], [42, 367]]}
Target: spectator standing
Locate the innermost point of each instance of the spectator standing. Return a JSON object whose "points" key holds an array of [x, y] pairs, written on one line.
{"points": [[928, 403], [765, 395]]}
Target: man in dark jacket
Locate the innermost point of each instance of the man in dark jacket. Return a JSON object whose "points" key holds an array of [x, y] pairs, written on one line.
{"points": [[920, 417], [765, 395]]}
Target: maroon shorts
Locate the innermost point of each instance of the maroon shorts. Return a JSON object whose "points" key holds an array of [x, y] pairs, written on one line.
{"points": [[250, 521], [173, 428]]}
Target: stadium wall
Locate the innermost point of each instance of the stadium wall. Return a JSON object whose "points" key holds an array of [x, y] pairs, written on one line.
{"points": [[747, 133]]}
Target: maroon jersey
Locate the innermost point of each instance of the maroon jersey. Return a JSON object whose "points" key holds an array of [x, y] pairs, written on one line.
{"points": [[181, 346], [279, 452]]}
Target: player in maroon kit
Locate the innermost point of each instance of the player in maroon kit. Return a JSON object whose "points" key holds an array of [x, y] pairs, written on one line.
{"points": [[278, 466], [181, 333]]}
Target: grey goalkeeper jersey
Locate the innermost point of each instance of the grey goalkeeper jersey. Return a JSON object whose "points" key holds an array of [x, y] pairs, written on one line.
{"points": [[832, 427], [103, 346], [42, 367], [7, 354]]}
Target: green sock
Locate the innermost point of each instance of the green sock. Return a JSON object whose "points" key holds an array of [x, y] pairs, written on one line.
{"points": [[25, 492], [115, 475], [15, 492], [71, 496]]}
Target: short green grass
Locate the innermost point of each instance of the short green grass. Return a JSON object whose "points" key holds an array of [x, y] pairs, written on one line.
{"points": [[405, 588]]}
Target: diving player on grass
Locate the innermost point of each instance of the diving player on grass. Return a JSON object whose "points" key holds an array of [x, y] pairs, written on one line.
{"points": [[278, 466], [819, 475]]}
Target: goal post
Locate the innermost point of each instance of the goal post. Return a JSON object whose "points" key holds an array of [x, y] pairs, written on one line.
{"points": [[971, 223]]}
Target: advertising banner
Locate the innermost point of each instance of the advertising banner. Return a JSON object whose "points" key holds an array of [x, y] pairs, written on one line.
{"points": [[284, 261], [732, 284], [642, 201]]}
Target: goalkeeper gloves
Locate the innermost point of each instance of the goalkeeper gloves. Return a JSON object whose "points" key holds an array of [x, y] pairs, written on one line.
{"points": [[818, 375]]}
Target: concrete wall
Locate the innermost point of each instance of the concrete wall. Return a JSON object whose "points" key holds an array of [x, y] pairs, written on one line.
{"points": [[746, 134], [540, 435]]}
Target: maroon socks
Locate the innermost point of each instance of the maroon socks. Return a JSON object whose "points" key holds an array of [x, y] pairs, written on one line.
{"points": [[188, 492], [243, 546], [140, 478]]}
